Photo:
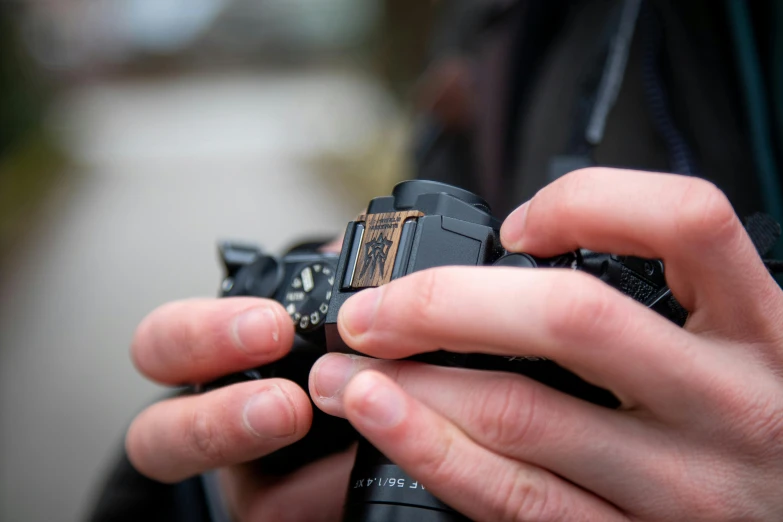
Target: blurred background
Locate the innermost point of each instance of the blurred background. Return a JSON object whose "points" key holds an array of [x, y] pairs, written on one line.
{"points": [[133, 135]]}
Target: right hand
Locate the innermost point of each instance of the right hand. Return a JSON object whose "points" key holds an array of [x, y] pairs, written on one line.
{"points": [[198, 341]]}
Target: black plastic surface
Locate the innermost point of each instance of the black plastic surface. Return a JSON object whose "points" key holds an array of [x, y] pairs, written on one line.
{"points": [[381, 491], [406, 193], [516, 261], [438, 247], [260, 278], [404, 251], [444, 202], [353, 254]]}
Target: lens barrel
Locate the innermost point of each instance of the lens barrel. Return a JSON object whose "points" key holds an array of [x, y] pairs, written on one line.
{"points": [[380, 491]]}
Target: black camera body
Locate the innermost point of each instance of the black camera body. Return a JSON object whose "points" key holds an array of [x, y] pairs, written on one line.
{"points": [[423, 224]]}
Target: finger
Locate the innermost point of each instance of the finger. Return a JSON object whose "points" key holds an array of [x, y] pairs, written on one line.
{"points": [[202, 339], [710, 261], [574, 319], [513, 416], [181, 437], [477, 482], [322, 483]]}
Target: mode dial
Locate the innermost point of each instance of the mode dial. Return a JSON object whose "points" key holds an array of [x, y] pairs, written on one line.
{"points": [[308, 294]]}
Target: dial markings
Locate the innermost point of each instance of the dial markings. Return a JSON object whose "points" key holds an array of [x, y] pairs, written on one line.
{"points": [[307, 296]]}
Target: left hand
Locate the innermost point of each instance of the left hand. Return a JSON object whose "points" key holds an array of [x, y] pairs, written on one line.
{"points": [[228, 429], [699, 435]]}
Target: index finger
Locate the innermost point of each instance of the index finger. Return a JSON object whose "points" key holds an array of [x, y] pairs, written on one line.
{"points": [[199, 340], [711, 263], [572, 318]]}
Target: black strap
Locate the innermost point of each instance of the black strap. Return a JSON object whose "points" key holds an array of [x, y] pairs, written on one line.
{"points": [[764, 231]]}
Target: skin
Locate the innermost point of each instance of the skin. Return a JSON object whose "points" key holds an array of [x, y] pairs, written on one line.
{"points": [[197, 341], [699, 435]]}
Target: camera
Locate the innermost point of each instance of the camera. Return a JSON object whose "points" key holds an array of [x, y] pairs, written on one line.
{"points": [[423, 224]]}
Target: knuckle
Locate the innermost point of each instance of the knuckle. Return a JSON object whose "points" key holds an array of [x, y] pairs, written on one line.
{"points": [[204, 440], [711, 500], [578, 309], [427, 289], [195, 343], [763, 428], [580, 178], [508, 415], [435, 462], [751, 416], [567, 193], [181, 337], [526, 500], [701, 500], [168, 336], [705, 212]]}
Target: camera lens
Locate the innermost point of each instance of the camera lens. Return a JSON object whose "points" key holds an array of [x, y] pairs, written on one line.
{"points": [[380, 491]]}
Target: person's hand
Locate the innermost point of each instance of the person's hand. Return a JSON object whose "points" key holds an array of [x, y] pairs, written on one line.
{"points": [[699, 435], [198, 341]]}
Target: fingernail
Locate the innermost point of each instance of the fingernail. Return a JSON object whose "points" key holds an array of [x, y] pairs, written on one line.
{"points": [[514, 227], [255, 328], [382, 404], [331, 374], [358, 312], [270, 414]]}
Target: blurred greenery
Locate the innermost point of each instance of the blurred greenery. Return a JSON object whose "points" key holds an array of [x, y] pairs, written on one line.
{"points": [[27, 172], [398, 54], [20, 94], [402, 42], [29, 160]]}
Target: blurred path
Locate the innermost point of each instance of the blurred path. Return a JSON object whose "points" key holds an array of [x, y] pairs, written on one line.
{"points": [[166, 168]]}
